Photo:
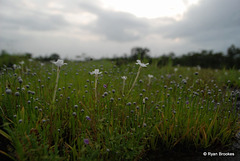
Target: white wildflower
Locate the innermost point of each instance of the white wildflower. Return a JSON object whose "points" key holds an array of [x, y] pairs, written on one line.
{"points": [[124, 77], [144, 101], [198, 67], [59, 63], [150, 76], [141, 64], [14, 66], [96, 72]]}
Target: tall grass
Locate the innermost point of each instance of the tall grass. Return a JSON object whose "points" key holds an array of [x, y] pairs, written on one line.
{"points": [[187, 108]]}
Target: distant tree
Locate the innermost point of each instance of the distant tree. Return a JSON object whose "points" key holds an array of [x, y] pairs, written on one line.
{"points": [[205, 58], [171, 55], [9, 59], [164, 60], [140, 53], [28, 55], [232, 51], [54, 56], [4, 52], [233, 57], [88, 58]]}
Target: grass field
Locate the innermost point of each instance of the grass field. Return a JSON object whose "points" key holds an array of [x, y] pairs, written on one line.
{"points": [[74, 112]]}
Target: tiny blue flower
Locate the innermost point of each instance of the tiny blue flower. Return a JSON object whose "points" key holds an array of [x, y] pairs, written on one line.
{"points": [[86, 141]]}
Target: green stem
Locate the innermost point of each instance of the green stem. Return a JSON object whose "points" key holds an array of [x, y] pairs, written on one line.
{"points": [[135, 80], [123, 87], [55, 90], [149, 81], [96, 76]]}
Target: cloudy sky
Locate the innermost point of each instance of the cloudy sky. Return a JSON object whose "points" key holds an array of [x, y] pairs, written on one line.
{"points": [[107, 28]]}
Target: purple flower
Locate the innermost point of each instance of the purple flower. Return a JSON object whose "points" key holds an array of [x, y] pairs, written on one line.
{"points": [[88, 118], [86, 141], [105, 86], [187, 102]]}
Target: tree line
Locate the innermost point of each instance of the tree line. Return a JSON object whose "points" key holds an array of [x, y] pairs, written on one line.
{"points": [[204, 58], [8, 59]]}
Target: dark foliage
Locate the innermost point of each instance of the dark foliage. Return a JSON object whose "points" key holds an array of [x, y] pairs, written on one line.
{"points": [[137, 53], [53, 57], [205, 59], [209, 59], [10, 59]]}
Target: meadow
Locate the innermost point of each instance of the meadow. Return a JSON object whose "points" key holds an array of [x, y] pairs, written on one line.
{"points": [[99, 111]]}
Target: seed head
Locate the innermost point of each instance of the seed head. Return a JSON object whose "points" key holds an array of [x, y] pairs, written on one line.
{"points": [[129, 104], [8, 91]]}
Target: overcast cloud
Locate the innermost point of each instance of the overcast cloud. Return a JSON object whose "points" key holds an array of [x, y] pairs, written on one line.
{"points": [[211, 21], [74, 27]]}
